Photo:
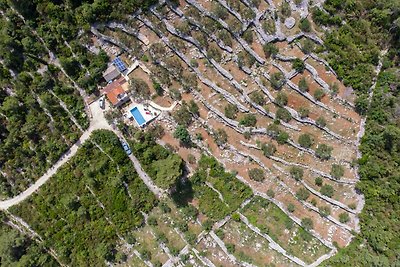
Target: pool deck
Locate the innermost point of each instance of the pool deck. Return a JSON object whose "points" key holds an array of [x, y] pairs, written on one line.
{"points": [[148, 112]]}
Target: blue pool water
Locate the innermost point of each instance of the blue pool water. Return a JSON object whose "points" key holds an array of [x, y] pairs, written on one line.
{"points": [[138, 116]]}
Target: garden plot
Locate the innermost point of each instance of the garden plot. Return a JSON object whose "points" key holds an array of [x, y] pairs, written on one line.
{"points": [[148, 245], [210, 250], [294, 239], [247, 246]]}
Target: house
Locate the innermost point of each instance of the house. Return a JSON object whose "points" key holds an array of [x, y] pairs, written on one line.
{"points": [[115, 92], [111, 73]]}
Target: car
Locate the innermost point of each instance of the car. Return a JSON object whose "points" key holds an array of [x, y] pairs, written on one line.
{"points": [[126, 148], [102, 102]]}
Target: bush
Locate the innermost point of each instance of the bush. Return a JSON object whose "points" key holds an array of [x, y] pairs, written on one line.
{"points": [[302, 194], [321, 122], [152, 221], [207, 225], [318, 181], [283, 114], [270, 193], [248, 120], [298, 65], [307, 223], [230, 247], [291, 208], [194, 63], [282, 137], [236, 217], [231, 111], [256, 174], [325, 211], [337, 171], [307, 46], [268, 149], [319, 94], [306, 140], [220, 137], [344, 217], [303, 85], [296, 173], [181, 133], [304, 112], [270, 49], [258, 98], [323, 151], [281, 99], [327, 190], [305, 25], [277, 80]]}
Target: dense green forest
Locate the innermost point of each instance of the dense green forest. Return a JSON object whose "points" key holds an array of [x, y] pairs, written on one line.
{"points": [[16, 249], [161, 164], [353, 51], [89, 203]]}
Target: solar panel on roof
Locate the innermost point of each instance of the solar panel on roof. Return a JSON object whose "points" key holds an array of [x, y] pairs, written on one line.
{"points": [[119, 64]]}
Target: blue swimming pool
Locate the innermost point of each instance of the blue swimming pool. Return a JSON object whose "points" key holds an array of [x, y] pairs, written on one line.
{"points": [[138, 116]]}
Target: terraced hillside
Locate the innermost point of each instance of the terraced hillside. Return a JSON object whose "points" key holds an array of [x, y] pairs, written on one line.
{"points": [[274, 113], [251, 159]]}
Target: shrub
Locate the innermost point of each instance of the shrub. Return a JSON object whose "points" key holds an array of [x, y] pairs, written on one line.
{"points": [[323, 151], [313, 202], [283, 114], [268, 149], [220, 137], [152, 221], [307, 223], [303, 85], [296, 173], [270, 49], [256, 174], [248, 120], [281, 99], [231, 111], [207, 225], [285, 9], [318, 181], [337, 171], [304, 112], [305, 25], [298, 65], [247, 135], [308, 46], [302, 194], [319, 94], [270, 193], [344, 217], [306, 140], [194, 63], [258, 98], [291, 208], [236, 217], [277, 80], [321, 121], [353, 206], [181, 133], [230, 247], [325, 211], [282, 137], [327, 190], [248, 36], [334, 88]]}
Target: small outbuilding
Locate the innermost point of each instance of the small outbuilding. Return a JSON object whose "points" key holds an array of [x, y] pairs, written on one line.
{"points": [[111, 73]]}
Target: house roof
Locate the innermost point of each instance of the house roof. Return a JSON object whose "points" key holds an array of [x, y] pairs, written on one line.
{"points": [[110, 73], [114, 91]]}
